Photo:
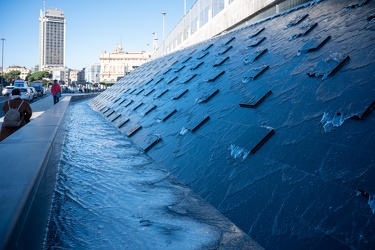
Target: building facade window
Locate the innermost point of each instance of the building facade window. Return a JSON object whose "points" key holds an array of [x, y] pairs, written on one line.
{"points": [[52, 39]]}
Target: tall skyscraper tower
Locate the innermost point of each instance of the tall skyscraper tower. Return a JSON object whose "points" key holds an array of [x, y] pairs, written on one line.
{"points": [[52, 39]]}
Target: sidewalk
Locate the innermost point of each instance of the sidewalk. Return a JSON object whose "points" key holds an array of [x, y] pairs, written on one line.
{"points": [[29, 164], [29, 161]]}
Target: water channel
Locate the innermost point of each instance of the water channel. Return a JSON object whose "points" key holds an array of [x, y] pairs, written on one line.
{"points": [[109, 195]]}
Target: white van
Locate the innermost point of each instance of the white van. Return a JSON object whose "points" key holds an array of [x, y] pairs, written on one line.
{"points": [[20, 84]]}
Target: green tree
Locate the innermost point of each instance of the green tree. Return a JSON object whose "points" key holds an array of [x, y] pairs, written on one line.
{"points": [[43, 76], [12, 75], [38, 76]]}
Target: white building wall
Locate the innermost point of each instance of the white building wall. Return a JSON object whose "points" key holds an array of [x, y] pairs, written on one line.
{"points": [[93, 73], [208, 18]]}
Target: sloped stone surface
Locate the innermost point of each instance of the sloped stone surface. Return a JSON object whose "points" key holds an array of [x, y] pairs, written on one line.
{"points": [[310, 184]]}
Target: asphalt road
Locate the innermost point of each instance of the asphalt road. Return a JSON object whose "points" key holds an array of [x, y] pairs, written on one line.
{"points": [[5, 98]]}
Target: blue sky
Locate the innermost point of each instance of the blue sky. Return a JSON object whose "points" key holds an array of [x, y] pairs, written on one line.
{"points": [[92, 26]]}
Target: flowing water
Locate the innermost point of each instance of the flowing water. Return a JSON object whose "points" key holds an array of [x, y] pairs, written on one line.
{"points": [[109, 195]]}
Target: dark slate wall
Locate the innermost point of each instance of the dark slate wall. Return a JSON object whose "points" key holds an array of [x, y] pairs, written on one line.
{"points": [[273, 124]]}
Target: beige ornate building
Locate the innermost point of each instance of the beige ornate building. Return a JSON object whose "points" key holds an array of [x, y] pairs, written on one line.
{"points": [[23, 71], [119, 63]]}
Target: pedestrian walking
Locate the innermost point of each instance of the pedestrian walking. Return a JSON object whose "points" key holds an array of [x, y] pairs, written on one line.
{"points": [[56, 92]]}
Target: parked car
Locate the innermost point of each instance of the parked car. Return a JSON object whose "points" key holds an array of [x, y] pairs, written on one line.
{"points": [[33, 92], [7, 90], [20, 83], [26, 94]]}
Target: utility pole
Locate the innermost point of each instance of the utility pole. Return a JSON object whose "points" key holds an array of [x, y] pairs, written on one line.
{"points": [[2, 62]]}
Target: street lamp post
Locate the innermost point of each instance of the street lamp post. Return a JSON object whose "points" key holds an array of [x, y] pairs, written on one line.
{"points": [[163, 24], [2, 62], [163, 30]]}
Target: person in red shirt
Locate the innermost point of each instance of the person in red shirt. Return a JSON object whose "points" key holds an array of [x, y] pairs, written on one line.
{"points": [[56, 92]]}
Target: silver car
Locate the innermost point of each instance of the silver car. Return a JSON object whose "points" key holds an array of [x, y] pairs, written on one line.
{"points": [[33, 92], [7, 90], [26, 94]]}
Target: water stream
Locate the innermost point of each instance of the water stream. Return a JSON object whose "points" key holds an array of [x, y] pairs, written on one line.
{"points": [[110, 196]]}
